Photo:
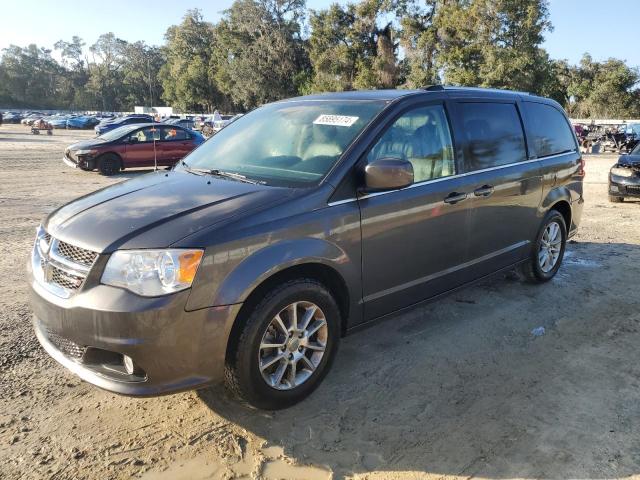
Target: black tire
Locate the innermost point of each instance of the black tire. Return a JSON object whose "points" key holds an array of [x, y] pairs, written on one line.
{"points": [[109, 164], [615, 199], [531, 270], [242, 371]]}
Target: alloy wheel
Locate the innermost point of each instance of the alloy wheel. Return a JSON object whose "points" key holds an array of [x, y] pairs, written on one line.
{"points": [[550, 246], [293, 345]]}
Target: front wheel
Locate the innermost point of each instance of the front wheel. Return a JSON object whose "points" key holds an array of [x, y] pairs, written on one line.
{"points": [[548, 249], [286, 346], [615, 199], [109, 164]]}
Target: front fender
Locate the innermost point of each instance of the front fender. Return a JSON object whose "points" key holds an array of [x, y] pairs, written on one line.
{"points": [[241, 279]]}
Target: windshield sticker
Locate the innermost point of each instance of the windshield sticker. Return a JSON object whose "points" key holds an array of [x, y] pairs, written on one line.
{"points": [[335, 120]]}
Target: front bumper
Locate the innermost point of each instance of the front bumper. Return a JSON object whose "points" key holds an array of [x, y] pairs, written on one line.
{"points": [[84, 162], [624, 186], [172, 349]]}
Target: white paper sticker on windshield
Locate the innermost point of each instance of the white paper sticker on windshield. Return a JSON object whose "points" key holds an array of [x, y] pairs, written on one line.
{"points": [[335, 120]]}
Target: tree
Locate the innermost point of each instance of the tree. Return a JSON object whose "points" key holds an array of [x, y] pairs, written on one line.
{"points": [[419, 39], [75, 64], [260, 55], [31, 77], [186, 76], [105, 75], [350, 49], [606, 89], [140, 66]]}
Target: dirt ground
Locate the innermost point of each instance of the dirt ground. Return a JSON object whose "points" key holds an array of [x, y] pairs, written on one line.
{"points": [[459, 388]]}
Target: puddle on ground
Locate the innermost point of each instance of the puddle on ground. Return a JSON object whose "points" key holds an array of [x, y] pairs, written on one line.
{"points": [[570, 258]]}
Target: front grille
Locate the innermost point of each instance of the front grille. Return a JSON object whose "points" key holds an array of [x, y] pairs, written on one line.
{"points": [[65, 279], [633, 189], [76, 254], [61, 267], [66, 346]]}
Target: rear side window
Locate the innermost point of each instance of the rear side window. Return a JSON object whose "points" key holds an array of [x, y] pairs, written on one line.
{"points": [[548, 129], [494, 135], [171, 133]]}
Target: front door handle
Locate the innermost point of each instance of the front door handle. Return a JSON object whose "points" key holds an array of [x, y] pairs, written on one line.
{"points": [[483, 191], [455, 197]]}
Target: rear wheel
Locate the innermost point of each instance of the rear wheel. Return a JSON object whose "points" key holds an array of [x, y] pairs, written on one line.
{"points": [[286, 347], [615, 199], [109, 164], [548, 249]]}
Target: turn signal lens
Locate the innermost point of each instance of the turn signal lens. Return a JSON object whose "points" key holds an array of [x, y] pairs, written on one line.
{"points": [[188, 262]]}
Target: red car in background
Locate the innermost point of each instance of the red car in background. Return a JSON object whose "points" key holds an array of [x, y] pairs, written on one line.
{"points": [[138, 145]]}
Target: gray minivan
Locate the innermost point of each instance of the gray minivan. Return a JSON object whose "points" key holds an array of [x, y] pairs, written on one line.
{"points": [[298, 222]]}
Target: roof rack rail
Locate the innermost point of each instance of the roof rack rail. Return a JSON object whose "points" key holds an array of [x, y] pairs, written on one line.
{"points": [[440, 88], [433, 88]]}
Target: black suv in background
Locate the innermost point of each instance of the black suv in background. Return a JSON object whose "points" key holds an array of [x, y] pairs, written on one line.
{"points": [[296, 223]]}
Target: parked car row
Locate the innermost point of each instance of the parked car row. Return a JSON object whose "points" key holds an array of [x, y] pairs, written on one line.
{"points": [[75, 121]]}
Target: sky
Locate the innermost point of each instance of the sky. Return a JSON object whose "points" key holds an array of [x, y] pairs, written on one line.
{"points": [[579, 25]]}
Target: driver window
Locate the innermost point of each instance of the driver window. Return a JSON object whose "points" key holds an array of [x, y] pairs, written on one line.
{"points": [[147, 134], [422, 137]]}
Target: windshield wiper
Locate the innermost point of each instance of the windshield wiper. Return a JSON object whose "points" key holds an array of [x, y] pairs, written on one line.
{"points": [[219, 173]]}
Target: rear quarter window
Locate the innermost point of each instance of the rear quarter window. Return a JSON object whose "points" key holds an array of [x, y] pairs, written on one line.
{"points": [[493, 134], [548, 130]]}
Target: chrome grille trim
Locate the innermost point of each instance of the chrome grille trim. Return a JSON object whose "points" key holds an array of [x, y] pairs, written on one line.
{"points": [[76, 254], [58, 266]]}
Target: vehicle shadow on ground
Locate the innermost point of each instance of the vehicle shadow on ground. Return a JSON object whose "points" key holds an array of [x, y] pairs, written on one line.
{"points": [[462, 387]]}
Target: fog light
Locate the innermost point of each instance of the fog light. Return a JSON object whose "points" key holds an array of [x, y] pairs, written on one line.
{"points": [[128, 364], [614, 188]]}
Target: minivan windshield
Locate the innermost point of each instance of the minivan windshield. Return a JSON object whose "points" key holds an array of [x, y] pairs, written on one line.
{"points": [[291, 144]]}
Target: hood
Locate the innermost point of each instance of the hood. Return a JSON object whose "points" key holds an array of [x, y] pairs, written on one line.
{"points": [[630, 160], [87, 144], [155, 210]]}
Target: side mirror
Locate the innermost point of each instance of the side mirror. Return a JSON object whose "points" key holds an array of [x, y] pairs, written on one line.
{"points": [[387, 173], [132, 140]]}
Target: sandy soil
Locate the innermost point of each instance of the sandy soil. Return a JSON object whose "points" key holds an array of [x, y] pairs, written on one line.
{"points": [[458, 388]]}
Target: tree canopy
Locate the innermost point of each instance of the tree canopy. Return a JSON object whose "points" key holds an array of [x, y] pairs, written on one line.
{"points": [[265, 50]]}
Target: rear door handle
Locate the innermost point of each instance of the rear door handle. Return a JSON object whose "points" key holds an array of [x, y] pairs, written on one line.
{"points": [[455, 197], [483, 191]]}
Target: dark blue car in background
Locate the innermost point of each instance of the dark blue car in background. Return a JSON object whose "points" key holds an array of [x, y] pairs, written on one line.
{"points": [[104, 127], [82, 121]]}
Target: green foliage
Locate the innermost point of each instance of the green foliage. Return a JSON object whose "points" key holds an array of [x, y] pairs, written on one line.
{"points": [[186, 77], [260, 52], [31, 77], [604, 89], [350, 50], [266, 50]]}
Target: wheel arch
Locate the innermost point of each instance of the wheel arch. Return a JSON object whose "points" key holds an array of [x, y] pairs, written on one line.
{"points": [[321, 272], [559, 199]]}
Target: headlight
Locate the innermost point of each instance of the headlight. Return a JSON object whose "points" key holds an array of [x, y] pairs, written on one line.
{"points": [[622, 172], [151, 273], [85, 152]]}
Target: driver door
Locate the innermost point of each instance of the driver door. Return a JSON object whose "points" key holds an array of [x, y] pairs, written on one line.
{"points": [[140, 149], [415, 240]]}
